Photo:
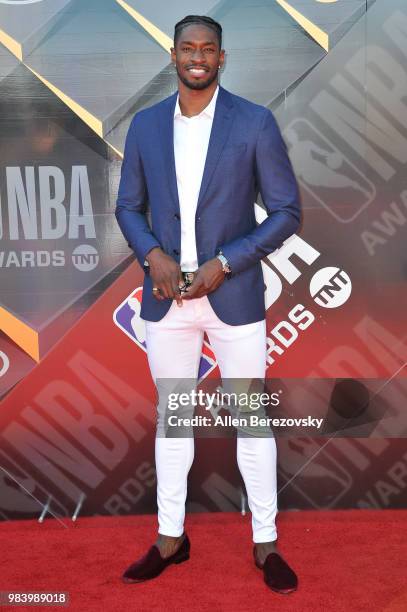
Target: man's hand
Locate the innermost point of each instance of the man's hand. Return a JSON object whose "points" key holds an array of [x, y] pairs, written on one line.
{"points": [[208, 278], [166, 275]]}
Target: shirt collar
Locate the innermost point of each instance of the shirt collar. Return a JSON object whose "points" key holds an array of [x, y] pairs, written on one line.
{"points": [[208, 110]]}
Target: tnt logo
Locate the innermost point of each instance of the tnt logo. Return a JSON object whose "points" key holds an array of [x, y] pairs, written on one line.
{"points": [[326, 174], [127, 318], [85, 257], [330, 287]]}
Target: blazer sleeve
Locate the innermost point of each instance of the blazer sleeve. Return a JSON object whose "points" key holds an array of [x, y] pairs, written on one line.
{"points": [[131, 206], [278, 187]]}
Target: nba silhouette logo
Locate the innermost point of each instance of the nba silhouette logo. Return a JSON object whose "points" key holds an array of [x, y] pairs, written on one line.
{"points": [[322, 481], [127, 318], [325, 174]]}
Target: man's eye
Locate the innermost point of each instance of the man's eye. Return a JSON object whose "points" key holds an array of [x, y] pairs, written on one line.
{"points": [[186, 49], [209, 50]]}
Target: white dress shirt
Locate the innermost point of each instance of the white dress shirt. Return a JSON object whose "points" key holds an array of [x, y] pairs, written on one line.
{"points": [[191, 139]]}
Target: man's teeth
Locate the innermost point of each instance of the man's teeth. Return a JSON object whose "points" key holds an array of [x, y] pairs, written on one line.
{"points": [[197, 70]]}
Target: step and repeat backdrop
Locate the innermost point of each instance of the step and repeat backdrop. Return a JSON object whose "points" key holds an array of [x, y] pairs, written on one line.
{"points": [[77, 403]]}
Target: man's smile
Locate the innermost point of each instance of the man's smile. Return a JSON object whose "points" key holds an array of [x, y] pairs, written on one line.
{"points": [[197, 71]]}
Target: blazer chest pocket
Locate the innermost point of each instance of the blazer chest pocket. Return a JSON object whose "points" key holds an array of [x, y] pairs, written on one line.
{"points": [[234, 150]]}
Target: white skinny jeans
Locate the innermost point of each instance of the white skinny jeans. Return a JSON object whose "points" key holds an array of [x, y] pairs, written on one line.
{"points": [[173, 348]]}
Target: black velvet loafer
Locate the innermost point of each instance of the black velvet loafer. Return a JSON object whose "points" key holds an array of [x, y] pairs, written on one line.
{"points": [[152, 564], [278, 575]]}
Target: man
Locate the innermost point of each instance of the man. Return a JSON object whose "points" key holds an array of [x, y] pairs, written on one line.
{"points": [[199, 159]]}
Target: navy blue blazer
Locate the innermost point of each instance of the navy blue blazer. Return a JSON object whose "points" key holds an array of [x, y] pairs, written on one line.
{"points": [[246, 155]]}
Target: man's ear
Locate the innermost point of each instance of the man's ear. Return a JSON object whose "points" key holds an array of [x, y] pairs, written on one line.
{"points": [[173, 55]]}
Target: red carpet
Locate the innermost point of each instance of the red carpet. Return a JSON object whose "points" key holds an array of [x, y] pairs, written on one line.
{"points": [[346, 560]]}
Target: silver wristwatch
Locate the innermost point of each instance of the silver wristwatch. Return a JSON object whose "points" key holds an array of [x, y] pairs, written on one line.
{"points": [[225, 264]]}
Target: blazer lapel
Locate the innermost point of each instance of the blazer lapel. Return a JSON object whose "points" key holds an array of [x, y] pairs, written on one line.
{"points": [[222, 123], [166, 137]]}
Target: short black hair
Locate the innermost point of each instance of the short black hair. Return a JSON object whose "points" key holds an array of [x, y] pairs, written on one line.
{"points": [[200, 20]]}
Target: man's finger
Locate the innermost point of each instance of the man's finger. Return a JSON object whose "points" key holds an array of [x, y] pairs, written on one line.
{"points": [[192, 291], [177, 294], [165, 290], [157, 293]]}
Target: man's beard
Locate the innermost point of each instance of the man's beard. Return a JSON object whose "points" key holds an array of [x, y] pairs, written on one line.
{"points": [[198, 85]]}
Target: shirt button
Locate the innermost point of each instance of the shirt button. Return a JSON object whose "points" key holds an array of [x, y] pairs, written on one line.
{"points": [[175, 251], [176, 216]]}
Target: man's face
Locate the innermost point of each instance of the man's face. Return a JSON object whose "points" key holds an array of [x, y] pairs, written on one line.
{"points": [[197, 56]]}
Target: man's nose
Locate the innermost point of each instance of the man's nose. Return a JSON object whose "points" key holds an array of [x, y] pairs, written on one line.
{"points": [[198, 56]]}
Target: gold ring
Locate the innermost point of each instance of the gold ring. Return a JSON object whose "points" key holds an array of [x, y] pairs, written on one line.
{"points": [[156, 289]]}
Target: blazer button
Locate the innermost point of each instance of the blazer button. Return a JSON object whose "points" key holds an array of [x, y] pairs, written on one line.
{"points": [[175, 251], [176, 216]]}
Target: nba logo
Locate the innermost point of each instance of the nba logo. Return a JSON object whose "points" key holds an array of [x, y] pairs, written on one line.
{"points": [[127, 318], [323, 480], [325, 174]]}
